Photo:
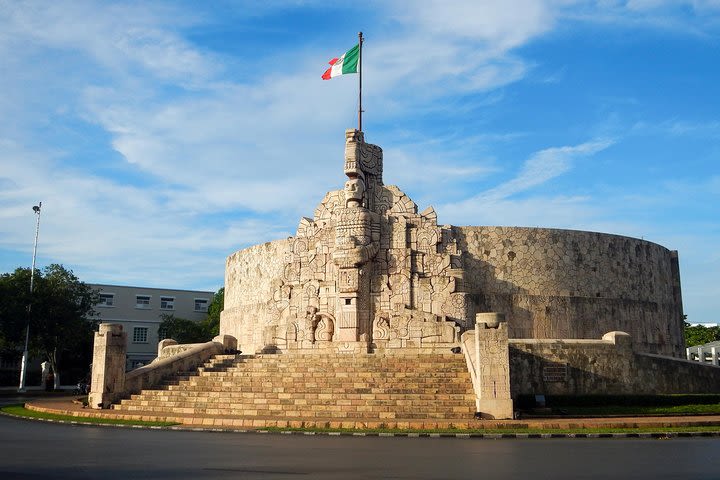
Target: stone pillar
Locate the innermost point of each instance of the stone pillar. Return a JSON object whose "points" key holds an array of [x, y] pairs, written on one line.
{"points": [[713, 351], [108, 369], [688, 354], [701, 355], [493, 364]]}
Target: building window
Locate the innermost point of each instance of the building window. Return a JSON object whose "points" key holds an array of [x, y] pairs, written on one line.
{"points": [[142, 301], [162, 334], [201, 304], [140, 334], [167, 303], [106, 300]]}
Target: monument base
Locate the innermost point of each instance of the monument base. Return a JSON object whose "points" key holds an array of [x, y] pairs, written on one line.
{"points": [[351, 348], [495, 409]]}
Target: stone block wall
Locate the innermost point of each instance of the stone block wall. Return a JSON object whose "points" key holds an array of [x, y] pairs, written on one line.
{"points": [[254, 294], [573, 284], [602, 367]]}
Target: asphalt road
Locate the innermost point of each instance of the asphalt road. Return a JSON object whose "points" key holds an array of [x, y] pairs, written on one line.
{"points": [[31, 450]]}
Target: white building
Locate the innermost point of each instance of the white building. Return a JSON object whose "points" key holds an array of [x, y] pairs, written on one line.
{"points": [[139, 310]]}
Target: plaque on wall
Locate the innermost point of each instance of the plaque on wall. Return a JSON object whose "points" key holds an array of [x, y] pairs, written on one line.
{"points": [[555, 372]]}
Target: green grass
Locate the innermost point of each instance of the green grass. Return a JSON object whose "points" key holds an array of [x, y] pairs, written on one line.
{"points": [[562, 401], [500, 431], [698, 409], [603, 405], [21, 411]]}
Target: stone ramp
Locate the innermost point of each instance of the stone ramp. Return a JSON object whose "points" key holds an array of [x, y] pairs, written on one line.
{"points": [[319, 390]]}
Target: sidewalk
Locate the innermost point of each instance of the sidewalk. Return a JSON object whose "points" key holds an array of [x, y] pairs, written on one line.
{"points": [[65, 406], [35, 392]]}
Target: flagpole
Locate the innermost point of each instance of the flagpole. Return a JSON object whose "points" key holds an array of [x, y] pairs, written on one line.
{"points": [[360, 42]]}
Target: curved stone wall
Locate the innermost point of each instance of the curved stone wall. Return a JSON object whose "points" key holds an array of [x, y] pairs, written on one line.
{"points": [[253, 294], [573, 284], [550, 283]]}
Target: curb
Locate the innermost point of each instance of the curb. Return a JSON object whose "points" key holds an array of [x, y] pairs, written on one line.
{"points": [[465, 435]]}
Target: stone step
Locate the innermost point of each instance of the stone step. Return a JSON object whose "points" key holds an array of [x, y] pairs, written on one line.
{"points": [[309, 398], [270, 391], [449, 363], [337, 372], [413, 386], [370, 406], [410, 382], [370, 398], [365, 405], [318, 411], [331, 361]]}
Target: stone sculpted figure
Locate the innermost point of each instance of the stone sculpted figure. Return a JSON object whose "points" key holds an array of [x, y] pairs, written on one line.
{"points": [[357, 231]]}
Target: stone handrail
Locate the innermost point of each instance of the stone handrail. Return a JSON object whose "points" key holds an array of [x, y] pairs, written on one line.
{"points": [[111, 383], [162, 368]]}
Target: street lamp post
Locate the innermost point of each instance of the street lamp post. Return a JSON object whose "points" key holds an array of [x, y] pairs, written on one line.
{"points": [[23, 366]]}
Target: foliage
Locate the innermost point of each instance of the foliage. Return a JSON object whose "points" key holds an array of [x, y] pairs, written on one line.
{"points": [[21, 411], [182, 330], [59, 310], [14, 301], [214, 309], [188, 331], [700, 334]]}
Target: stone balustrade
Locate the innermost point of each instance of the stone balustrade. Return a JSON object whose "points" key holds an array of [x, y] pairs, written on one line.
{"points": [[704, 354]]}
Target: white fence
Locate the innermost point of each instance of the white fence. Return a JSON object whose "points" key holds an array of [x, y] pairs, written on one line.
{"points": [[703, 354]]}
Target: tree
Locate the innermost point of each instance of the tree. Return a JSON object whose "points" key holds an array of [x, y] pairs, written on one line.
{"points": [[187, 331], [213, 318], [700, 334], [60, 311], [182, 330], [14, 301]]}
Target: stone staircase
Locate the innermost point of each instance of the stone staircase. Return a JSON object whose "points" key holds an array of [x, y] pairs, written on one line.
{"points": [[316, 389]]}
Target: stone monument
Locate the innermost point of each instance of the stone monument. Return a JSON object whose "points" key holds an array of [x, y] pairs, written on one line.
{"points": [[369, 273]]}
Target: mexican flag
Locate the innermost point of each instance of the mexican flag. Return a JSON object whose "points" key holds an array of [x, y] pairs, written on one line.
{"points": [[347, 63]]}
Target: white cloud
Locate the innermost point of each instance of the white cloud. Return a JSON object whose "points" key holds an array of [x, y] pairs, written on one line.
{"points": [[121, 37], [537, 211], [497, 207], [543, 166], [499, 23], [109, 230], [697, 5]]}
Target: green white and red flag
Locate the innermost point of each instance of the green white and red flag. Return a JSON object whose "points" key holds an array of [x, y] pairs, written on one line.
{"points": [[347, 63]]}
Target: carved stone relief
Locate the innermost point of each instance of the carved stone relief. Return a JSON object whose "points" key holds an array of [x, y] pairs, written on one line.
{"points": [[378, 270]]}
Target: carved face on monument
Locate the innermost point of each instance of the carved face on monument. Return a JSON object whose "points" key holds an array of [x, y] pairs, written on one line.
{"points": [[354, 191]]}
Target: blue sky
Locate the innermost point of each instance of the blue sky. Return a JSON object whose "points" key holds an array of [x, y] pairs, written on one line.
{"points": [[163, 136]]}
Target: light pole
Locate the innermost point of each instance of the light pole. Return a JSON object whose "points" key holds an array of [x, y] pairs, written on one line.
{"points": [[23, 366]]}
